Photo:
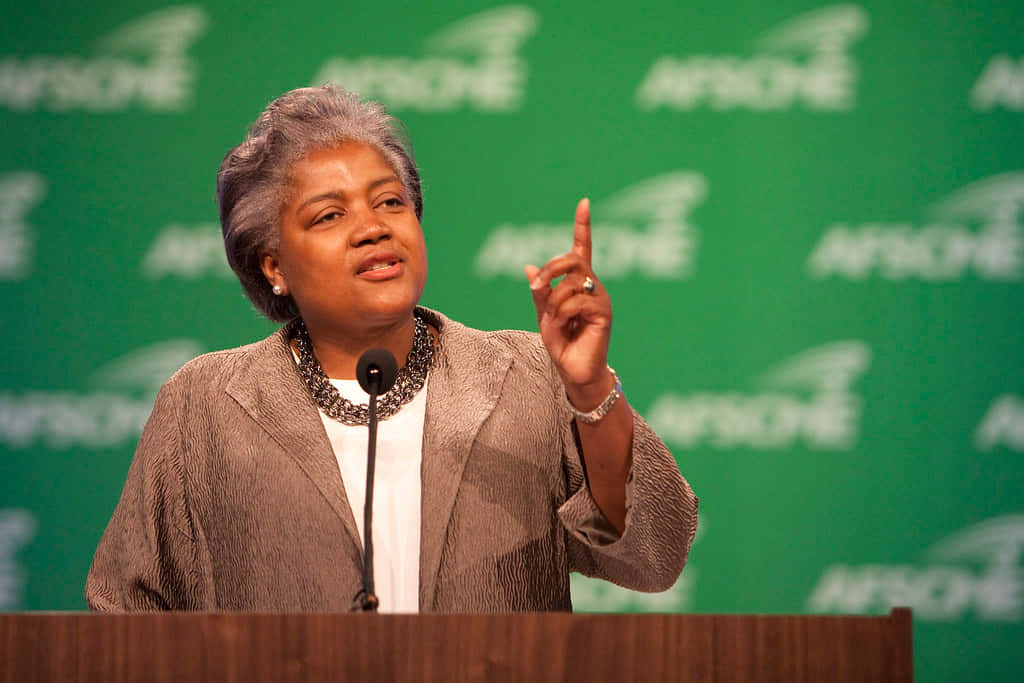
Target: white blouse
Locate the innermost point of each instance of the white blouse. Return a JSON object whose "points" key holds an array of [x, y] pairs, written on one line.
{"points": [[396, 492]]}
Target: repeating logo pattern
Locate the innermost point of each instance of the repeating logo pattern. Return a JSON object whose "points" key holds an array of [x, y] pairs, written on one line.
{"points": [[642, 231], [472, 63], [976, 231], [808, 399], [975, 571], [19, 194], [143, 63], [17, 527], [111, 414], [803, 61], [794, 82], [1000, 85], [1003, 424], [187, 252]]}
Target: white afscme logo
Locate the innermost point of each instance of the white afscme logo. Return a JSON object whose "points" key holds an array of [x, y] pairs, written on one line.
{"points": [[976, 230], [804, 60], [472, 63], [643, 230], [1000, 85], [1003, 424], [111, 414], [143, 62], [19, 193], [16, 529], [976, 570], [188, 252], [807, 398]]}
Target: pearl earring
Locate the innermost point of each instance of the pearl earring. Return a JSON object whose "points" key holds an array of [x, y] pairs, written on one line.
{"points": [[278, 290]]}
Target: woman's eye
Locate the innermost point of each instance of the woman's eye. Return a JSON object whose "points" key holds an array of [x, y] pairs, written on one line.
{"points": [[327, 217]]}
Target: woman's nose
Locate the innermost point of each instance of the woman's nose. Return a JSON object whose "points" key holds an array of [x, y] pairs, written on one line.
{"points": [[369, 230]]}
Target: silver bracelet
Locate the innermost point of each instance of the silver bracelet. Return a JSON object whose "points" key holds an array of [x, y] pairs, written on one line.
{"points": [[598, 413]]}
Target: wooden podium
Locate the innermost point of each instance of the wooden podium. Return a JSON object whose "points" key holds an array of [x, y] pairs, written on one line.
{"points": [[437, 647]]}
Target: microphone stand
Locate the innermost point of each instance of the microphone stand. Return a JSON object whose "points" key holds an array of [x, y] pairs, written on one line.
{"points": [[368, 601], [376, 372]]}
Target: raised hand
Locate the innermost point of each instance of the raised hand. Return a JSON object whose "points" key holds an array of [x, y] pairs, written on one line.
{"points": [[575, 316]]}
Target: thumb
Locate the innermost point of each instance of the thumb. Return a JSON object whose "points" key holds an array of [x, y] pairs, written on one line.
{"points": [[540, 291]]}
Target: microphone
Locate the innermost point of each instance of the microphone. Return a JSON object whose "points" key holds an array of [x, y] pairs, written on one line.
{"points": [[376, 372]]}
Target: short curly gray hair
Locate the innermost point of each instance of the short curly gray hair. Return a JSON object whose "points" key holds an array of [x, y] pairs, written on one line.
{"points": [[253, 178]]}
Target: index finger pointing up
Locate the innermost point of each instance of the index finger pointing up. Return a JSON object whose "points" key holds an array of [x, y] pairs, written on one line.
{"points": [[581, 244]]}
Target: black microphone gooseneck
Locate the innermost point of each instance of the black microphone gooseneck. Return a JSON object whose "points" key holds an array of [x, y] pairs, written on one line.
{"points": [[376, 372]]}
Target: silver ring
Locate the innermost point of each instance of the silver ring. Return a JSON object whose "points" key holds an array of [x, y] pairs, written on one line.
{"points": [[588, 285]]}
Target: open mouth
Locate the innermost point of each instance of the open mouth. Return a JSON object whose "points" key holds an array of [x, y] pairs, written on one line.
{"points": [[378, 265]]}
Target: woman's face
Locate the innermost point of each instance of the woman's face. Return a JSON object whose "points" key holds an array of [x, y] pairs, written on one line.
{"points": [[351, 253]]}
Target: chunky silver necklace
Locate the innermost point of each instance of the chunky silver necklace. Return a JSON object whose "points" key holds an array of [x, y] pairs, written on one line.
{"points": [[408, 383]]}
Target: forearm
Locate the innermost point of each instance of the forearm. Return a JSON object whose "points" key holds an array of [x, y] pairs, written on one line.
{"points": [[606, 448]]}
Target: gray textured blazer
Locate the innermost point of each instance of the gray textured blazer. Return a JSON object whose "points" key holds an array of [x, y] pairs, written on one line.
{"points": [[234, 499]]}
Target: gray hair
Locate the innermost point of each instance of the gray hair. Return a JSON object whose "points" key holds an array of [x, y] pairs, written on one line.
{"points": [[254, 177]]}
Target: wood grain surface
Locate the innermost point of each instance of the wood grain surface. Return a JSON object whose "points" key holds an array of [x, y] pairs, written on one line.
{"points": [[434, 647]]}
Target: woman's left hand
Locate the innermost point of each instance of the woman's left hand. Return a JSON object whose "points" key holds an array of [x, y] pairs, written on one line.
{"points": [[575, 319]]}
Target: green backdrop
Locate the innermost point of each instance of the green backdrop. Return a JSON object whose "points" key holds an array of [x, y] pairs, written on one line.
{"points": [[809, 217]]}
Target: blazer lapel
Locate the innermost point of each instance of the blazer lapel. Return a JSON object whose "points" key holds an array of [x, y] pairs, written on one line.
{"points": [[463, 388], [267, 385]]}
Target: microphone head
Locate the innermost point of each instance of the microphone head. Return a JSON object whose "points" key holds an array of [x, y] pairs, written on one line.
{"points": [[376, 371]]}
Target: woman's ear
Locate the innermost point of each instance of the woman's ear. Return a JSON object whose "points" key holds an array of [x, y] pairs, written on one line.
{"points": [[272, 271]]}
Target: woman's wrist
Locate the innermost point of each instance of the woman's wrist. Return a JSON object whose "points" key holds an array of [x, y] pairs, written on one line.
{"points": [[592, 401]]}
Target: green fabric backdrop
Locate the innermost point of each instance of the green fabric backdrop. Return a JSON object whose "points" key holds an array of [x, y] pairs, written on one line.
{"points": [[809, 217]]}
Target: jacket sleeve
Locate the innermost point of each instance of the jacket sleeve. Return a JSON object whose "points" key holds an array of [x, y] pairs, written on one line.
{"points": [[148, 557], [661, 517]]}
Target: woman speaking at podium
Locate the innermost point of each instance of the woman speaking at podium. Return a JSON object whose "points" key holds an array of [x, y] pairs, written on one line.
{"points": [[506, 460]]}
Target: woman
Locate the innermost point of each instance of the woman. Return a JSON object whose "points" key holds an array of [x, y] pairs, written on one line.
{"points": [[505, 459]]}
